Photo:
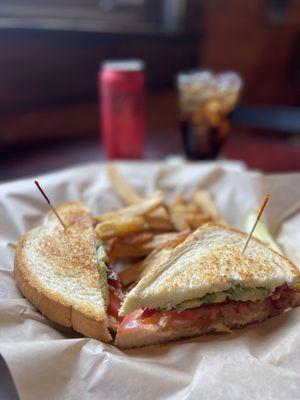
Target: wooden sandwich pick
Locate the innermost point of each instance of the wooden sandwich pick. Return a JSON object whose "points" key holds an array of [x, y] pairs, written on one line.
{"points": [[261, 210], [49, 202]]}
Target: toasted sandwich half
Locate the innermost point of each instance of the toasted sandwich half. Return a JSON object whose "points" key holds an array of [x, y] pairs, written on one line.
{"points": [[59, 271], [207, 285]]}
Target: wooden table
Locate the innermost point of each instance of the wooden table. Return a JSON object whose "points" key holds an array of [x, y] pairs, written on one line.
{"points": [[258, 152]]}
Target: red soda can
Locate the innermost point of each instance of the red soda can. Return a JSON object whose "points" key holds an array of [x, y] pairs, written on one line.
{"points": [[122, 108]]}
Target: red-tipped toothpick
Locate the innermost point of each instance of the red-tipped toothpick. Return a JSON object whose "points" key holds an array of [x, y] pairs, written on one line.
{"points": [[261, 210], [49, 202]]}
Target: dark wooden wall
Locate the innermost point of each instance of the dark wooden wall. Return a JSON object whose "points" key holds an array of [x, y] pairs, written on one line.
{"points": [[48, 84], [48, 79], [241, 35], [46, 67]]}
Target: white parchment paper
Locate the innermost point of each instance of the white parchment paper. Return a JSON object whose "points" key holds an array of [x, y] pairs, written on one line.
{"points": [[48, 361]]}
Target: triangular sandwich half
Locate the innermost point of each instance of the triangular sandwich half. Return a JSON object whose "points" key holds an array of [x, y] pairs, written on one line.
{"points": [[58, 271], [207, 285]]}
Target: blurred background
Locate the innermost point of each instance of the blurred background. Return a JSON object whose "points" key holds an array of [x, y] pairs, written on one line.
{"points": [[50, 52]]}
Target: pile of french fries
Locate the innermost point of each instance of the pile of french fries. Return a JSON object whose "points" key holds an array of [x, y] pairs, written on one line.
{"points": [[147, 229]]}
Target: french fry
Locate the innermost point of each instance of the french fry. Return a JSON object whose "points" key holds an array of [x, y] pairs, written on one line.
{"points": [[141, 268], [161, 213], [127, 246], [122, 249], [196, 220], [120, 227], [178, 219], [131, 273], [158, 224], [187, 217], [141, 208], [162, 238], [121, 186], [126, 192], [175, 219], [139, 238], [161, 253], [187, 208], [204, 201], [108, 247], [177, 201]]}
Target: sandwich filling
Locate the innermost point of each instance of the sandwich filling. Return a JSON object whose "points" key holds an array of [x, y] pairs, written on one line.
{"points": [[212, 316], [115, 294], [236, 293]]}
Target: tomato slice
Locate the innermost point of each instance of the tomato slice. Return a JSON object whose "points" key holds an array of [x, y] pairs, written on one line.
{"points": [[132, 322], [114, 304]]}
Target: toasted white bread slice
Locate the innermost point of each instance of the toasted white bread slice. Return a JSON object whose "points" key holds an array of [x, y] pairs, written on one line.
{"points": [[210, 260], [160, 254], [57, 271]]}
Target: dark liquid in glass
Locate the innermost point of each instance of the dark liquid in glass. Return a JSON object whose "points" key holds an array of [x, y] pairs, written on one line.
{"points": [[204, 146]]}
